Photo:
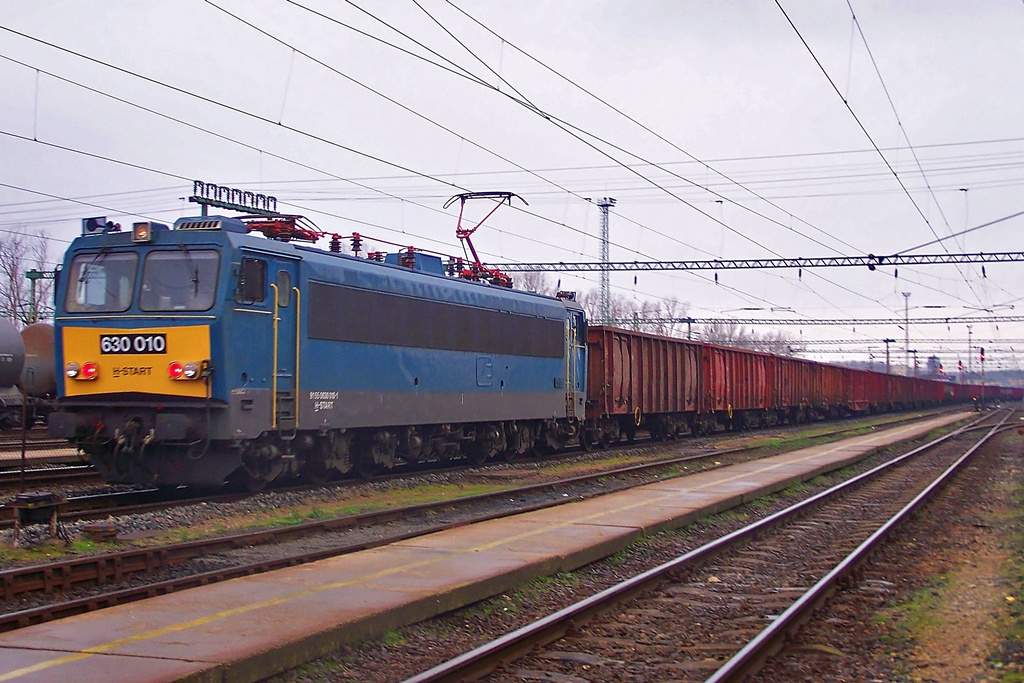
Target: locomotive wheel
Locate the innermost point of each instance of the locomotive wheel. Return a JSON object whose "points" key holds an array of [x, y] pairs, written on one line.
{"points": [[477, 455], [376, 453], [367, 469], [253, 484], [318, 473]]}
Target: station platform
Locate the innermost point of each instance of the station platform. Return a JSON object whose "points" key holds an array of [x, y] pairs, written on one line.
{"points": [[250, 628]]}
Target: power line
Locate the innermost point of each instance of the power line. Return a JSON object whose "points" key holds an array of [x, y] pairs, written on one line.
{"points": [[899, 122], [572, 130], [290, 128], [919, 341], [660, 137], [831, 322], [964, 232], [231, 108], [235, 141], [870, 261], [869, 137]]}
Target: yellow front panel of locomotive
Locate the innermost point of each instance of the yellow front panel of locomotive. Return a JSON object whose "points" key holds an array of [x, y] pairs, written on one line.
{"points": [[119, 368]]}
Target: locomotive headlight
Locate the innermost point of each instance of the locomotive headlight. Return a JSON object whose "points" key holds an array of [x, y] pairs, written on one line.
{"points": [[175, 370], [72, 370], [89, 371], [178, 370]]}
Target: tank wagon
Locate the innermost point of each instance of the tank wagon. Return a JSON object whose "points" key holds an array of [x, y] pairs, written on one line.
{"points": [[26, 373], [202, 353]]}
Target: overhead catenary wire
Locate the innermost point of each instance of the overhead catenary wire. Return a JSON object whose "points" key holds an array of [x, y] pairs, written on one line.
{"points": [[651, 131], [576, 132], [572, 130], [403, 199], [249, 114], [867, 134]]}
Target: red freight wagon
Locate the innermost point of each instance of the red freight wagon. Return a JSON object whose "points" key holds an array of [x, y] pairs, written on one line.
{"points": [[829, 397], [857, 391], [668, 386], [736, 387], [793, 390], [635, 378]]}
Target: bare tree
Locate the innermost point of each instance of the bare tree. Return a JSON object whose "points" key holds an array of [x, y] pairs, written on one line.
{"points": [[672, 308], [535, 281], [21, 251], [632, 314], [734, 334]]}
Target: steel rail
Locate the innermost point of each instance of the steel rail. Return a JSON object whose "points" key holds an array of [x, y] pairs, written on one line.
{"points": [[100, 506], [48, 475], [486, 658], [752, 656], [109, 567]]}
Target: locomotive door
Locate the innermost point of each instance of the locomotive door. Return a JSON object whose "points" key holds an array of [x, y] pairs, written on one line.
{"points": [[287, 309], [575, 369]]}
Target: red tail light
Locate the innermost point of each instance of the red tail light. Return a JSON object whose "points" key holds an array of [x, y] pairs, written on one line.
{"points": [[175, 370], [89, 370]]}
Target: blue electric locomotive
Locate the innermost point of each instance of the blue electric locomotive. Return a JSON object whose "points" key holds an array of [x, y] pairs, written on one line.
{"points": [[203, 353]]}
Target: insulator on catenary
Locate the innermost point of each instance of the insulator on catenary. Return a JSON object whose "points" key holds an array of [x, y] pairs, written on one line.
{"points": [[335, 244]]}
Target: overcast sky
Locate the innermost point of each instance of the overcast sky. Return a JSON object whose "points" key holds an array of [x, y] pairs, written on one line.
{"points": [[730, 139]]}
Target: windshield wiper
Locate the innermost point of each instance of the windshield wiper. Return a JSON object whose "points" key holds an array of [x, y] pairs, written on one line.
{"points": [[193, 269], [96, 260]]}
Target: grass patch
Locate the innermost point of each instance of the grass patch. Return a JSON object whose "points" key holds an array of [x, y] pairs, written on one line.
{"points": [[392, 639], [918, 614], [1010, 622]]}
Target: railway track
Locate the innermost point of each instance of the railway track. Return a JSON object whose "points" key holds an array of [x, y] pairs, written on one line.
{"points": [[35, 439], [56, 475], [739, 596], [103, 505], [107, 569]]}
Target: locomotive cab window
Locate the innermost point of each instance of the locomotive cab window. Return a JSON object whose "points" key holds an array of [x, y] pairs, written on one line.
{"points": [[284, 288], [252, 281], [101, 282], [180, 280]]}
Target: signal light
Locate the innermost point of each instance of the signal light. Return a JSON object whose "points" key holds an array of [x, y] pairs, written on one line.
{"points": [[983, 354], [178, 370], [89, 371]]}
